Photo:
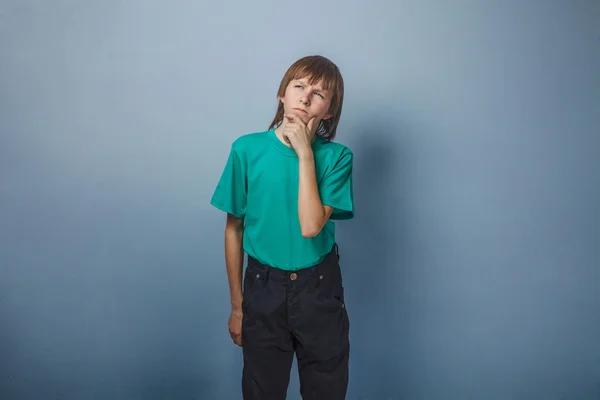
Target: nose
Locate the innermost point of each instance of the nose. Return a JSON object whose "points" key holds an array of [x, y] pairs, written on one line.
{"points": [[304, 99]]}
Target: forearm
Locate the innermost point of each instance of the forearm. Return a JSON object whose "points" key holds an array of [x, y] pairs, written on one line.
{"points": [[310, 208], [234, 258]]}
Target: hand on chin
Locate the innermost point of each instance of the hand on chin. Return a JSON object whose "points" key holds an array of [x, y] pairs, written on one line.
{"points": [[303, 116]]}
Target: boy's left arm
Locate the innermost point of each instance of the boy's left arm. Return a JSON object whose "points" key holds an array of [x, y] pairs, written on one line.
{"points": [[313, 214]]}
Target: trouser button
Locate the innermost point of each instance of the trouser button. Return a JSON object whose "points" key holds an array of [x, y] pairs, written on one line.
{"points": [[293, 276]]}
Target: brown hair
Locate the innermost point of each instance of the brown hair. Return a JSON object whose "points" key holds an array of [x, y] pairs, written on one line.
{"points": [[315, 69]]}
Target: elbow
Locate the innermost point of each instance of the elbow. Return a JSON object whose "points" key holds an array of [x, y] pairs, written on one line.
{"points": [[309, 234], [310, 231], [311, 225]]}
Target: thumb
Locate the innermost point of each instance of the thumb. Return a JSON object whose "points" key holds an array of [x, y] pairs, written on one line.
{"points": [[313, 124]]}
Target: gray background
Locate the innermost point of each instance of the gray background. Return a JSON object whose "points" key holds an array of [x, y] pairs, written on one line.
{"points": [[472, 267]]}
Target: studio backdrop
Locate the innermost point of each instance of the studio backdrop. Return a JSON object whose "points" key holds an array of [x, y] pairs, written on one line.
{"points": [[471, 269]]}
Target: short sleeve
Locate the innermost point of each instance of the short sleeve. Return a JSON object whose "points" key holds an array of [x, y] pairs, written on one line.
{"points": [[336, 188], [230, 193]]}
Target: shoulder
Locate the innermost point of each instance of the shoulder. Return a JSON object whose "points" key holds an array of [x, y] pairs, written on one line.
{"points": [[248, 143], [336, 152], [249, 140]]}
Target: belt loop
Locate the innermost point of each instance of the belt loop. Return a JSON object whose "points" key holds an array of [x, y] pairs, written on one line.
{"points": [[337, 251]]}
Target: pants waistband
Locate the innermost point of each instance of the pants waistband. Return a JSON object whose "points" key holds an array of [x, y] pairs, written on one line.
{"points": [[331, 259]]}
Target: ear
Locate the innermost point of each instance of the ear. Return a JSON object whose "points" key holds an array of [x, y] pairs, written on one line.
{"points": [[327, 116]]}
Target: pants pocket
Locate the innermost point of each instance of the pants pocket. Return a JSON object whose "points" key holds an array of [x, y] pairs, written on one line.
{"points": [[331, 289], [254, 280]]}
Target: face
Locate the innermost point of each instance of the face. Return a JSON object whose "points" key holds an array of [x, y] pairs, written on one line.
{"points": [[306, 100]]}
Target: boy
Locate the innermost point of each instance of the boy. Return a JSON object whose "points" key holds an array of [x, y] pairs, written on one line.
{"points": [[281, 189]]}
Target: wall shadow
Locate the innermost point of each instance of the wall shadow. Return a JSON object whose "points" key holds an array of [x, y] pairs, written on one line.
{"points": [[374, 257]]}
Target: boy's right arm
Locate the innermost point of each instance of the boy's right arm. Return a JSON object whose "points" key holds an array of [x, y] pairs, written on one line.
{"points": [[234, 260]]}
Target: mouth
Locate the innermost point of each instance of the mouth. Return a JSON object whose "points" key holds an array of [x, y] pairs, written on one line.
{"points": [[300, 110]]}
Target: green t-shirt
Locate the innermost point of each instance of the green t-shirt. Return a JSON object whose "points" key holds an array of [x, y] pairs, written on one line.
{"points": [[260, 184]]}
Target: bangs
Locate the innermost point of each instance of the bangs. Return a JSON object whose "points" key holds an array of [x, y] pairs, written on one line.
{"points": [[317, 71]]}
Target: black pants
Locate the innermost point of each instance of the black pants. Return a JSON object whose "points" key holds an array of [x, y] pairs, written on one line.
{"points": [[301, 312]]}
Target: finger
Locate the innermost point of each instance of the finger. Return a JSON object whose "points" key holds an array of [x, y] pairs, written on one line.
{"points": [[313, 124], [287, 119], [290, 130], [284, 122], [294, 118], [290, 127]]}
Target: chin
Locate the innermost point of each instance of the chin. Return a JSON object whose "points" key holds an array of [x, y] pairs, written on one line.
{"points": [[303, 116]]}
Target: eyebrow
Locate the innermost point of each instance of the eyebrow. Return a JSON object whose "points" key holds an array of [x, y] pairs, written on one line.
{"points": [[304, 81]]}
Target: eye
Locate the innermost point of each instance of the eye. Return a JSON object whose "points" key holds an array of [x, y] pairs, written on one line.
{"points": [[299, 86], [320, 95]]}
